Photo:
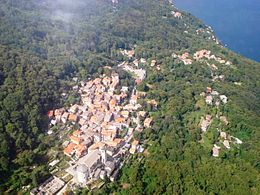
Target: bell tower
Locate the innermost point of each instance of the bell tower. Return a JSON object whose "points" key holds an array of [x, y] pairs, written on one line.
{"points": [[103, 154]]}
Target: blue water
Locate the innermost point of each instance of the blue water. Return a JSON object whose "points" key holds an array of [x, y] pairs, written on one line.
{"points": [[235, 22]]}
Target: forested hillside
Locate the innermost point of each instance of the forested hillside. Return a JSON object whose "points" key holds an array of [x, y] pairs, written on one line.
{"points": [[43, 44]]}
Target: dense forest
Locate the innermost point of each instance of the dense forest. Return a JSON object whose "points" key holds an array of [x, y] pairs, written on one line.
{"points": [[43, 44]]}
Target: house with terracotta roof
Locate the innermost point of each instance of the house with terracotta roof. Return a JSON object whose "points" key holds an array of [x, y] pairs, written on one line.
{"points": [[133, 99], [77, 133], [209, 99], [106, 81], [51, 113], [215, 151], [141, 114], [226, 144], [153, 63], [201, 54], [73, 118], [224, 120], [108, 135], [143, 60], [209, 90], [87, 100], [148, 122], [223, 135], [97, 81], [136, 62], [119, 120], [128, 53], [93, 119], [69, 150], [80, 150], [205, 123], [176, 14], [112, 103], [184, 56], [116, 143], [134, 146], [75, 140], [59, 112], [153, 103], [96, 146], [129, 107]]}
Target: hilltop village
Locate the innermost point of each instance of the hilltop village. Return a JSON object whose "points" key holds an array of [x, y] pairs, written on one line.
{"points": [[96, 146], [109, 114], [123, 97], [107, 117]]}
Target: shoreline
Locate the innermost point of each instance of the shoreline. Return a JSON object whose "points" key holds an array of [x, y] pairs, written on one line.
{"points": [[242, 43]]}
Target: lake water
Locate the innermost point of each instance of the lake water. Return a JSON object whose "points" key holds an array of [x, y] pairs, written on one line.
{"points": [[235, 22]]}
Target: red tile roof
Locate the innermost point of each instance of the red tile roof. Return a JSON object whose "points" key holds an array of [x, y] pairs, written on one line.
{"points": [[120, 120], [80, 150], [50, 113], [112, 102], [135, 143], [77, 133], [73, 117], [69, 149], [75, 140]]}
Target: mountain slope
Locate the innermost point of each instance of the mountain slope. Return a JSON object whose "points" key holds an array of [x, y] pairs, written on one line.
{"points": [[45, 43]]}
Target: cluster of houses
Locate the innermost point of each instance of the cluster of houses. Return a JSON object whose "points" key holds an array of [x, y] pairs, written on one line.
{"points": [[154, 64], [205, 122], [139, 73], [208, 34], [226, 140], [199, 55], [129, 53], [176, 14], [213, 97], [207, 54], [200, 31], [185, 58], [97, 147]]}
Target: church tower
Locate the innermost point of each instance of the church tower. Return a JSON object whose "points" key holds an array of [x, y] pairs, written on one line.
{"points": [[103, 154]]}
